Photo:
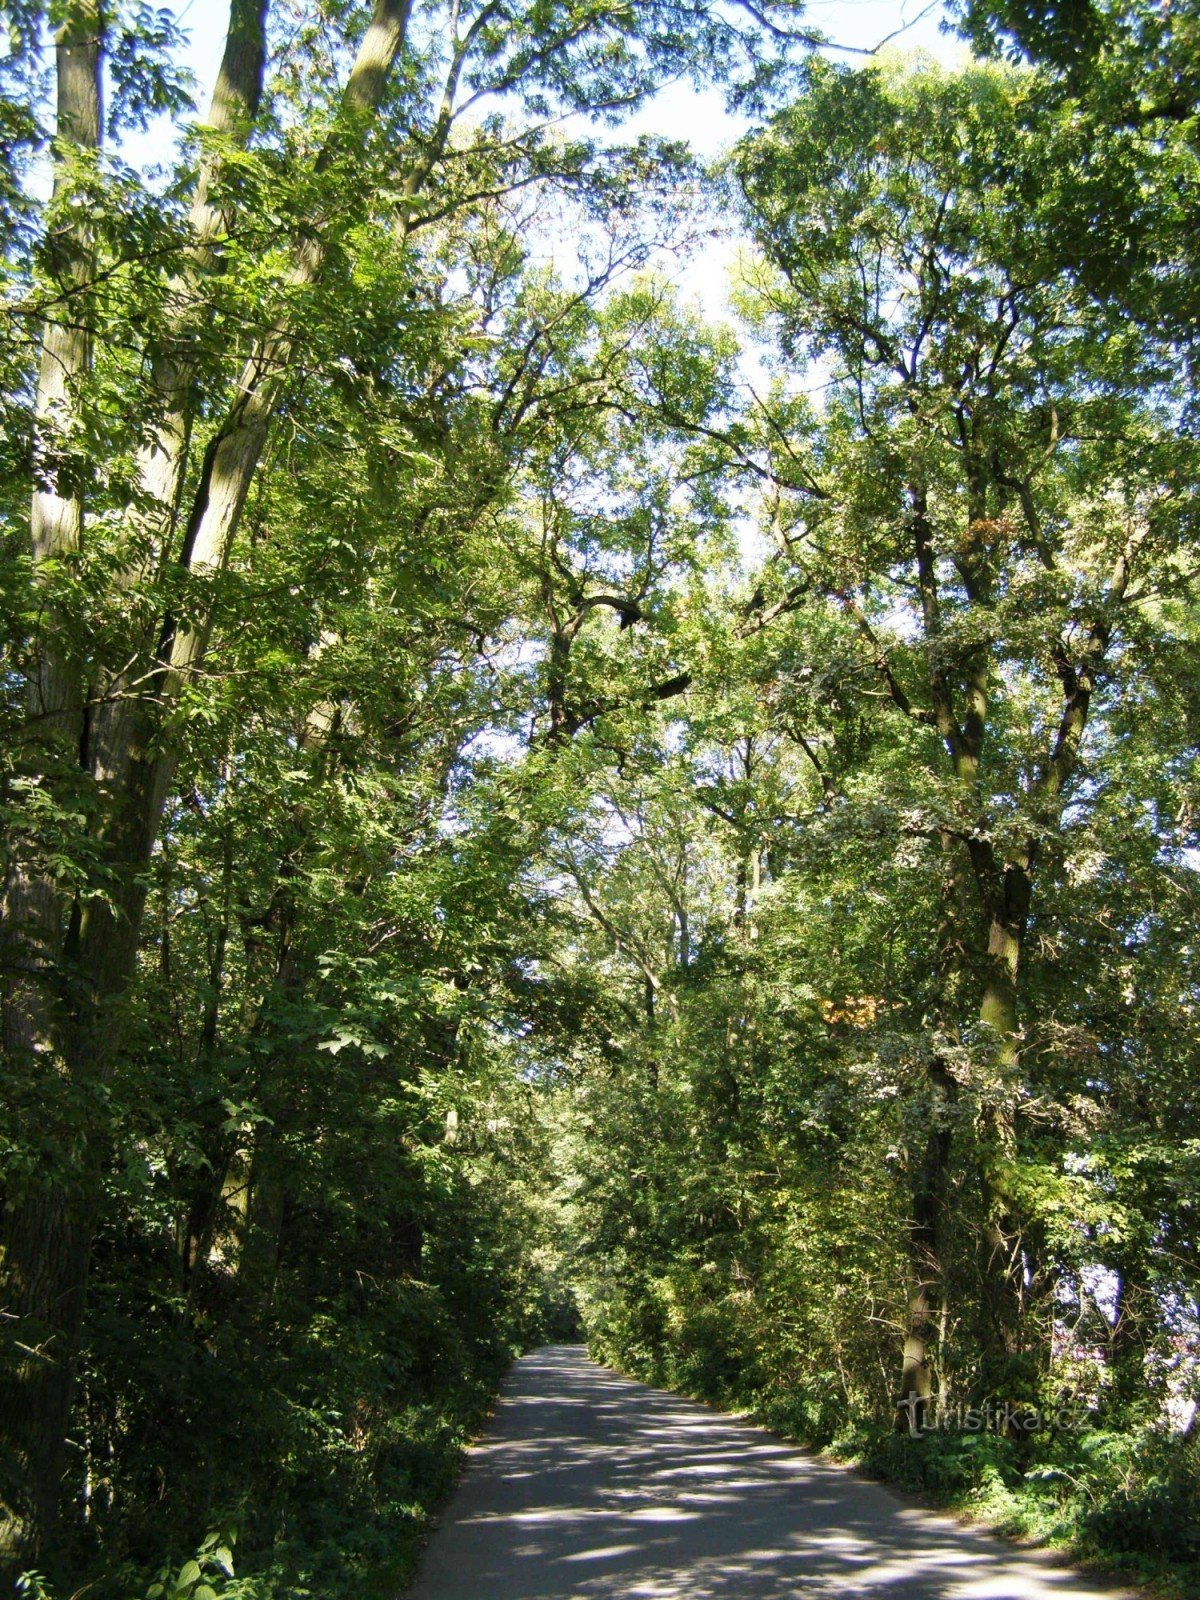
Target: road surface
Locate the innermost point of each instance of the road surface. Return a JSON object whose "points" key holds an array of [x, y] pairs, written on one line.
{"points": [[588, 1484]]}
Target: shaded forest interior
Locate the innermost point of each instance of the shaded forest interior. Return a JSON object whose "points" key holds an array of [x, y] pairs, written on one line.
{"points": [[532, 810]]}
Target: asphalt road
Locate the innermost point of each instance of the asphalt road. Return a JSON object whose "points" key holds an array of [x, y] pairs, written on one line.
{"points": [[588, 1484]]}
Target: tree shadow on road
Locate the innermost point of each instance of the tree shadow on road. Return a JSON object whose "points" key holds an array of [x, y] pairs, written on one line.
{"points": [[592, 1485]]}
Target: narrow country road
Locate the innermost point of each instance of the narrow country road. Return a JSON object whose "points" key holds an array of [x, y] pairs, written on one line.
{"points": [[588, 1484]]}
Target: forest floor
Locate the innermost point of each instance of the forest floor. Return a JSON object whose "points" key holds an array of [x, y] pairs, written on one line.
{"points": [[590, 1484]]}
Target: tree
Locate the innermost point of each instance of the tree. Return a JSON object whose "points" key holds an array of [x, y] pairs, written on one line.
{"points": [[171, 344], [491, 796], [1125, 77], [1006, 504]]}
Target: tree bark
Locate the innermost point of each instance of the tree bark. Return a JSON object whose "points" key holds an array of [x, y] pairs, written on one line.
{"points": [[162, 460], [1006, 891], [924, 1243]]}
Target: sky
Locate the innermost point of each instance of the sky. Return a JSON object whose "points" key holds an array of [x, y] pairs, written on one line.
{"points": [[680, 111], [700, 117]]}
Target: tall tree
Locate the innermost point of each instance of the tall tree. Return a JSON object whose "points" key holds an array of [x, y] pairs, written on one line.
{"points": [[1125, 75], [147, 494], [1005, 503]]}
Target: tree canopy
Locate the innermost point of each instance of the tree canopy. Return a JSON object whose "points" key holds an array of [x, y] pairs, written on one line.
{"points": [[532, 811]]}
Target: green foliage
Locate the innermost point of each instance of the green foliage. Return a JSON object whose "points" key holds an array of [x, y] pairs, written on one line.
{"points": [[716, 869], [843, 1125]]}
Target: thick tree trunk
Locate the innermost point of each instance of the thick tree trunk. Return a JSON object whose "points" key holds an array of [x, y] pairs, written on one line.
{"points": [[258, 1264], [925, 1232], [48, 1230], [162, 461], [1002, 1335], [925, 1255], [45, 1267], [1007, 892], [916, 1377], [924, 1242]]}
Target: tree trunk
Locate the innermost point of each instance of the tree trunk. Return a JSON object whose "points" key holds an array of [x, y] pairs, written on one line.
{"points": [[1000, 1246], [162, 461], [925, 1245], [925, 1253], [45, 1268], [258, 1264]]}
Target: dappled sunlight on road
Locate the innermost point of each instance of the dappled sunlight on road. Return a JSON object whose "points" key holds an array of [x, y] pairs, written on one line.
{"points": [[591, 1485]]}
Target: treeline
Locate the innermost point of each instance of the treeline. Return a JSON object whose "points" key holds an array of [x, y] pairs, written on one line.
{"points": [[306, 450], [893, 1137], [505, 821]]}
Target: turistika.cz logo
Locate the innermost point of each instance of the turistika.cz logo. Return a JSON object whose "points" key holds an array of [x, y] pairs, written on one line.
{"points": [[1007, 1417]]}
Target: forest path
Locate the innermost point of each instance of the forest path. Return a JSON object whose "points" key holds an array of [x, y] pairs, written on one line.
{"points": [[588, 1484]]}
